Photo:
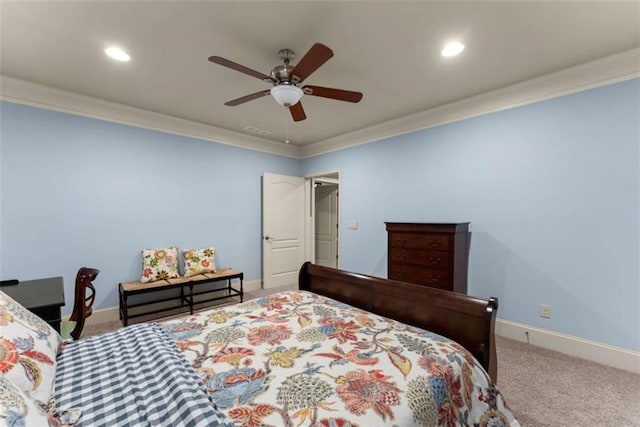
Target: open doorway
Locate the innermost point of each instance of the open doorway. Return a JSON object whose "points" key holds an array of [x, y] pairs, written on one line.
{"points": [[325, 219], [326, 223]]}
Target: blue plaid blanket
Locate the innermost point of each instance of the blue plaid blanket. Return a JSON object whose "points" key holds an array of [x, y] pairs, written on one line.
{"points": [[135, 376]]}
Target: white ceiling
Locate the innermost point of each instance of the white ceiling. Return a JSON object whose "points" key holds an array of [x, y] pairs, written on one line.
{"points": [[387, 50]]}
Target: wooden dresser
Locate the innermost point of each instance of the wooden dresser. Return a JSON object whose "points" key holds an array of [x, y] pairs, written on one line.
{"points": [[430, 254]]}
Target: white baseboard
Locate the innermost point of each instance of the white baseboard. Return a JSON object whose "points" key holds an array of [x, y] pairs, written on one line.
{"points": [[113, 314], [252, 285], [594, 351]]}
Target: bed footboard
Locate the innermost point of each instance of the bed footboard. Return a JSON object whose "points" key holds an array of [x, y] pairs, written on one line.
{"points": [[467, 320]]}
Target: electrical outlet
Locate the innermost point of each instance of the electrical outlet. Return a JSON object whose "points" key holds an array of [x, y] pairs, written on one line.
{"points": [[545, 311]]}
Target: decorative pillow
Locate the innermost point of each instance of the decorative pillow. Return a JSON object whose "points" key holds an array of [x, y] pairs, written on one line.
{"points": [[28, 347], [159, 264], [198, 261], [16, 409]]}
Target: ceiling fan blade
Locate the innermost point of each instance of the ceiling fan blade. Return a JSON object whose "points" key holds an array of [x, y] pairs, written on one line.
{"points": [[328, 92], [311, 61], [235, 66], [297, 112], [247, 98]]}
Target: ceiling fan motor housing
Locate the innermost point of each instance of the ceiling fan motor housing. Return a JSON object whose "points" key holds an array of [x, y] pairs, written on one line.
{"points": [[281, 73]]}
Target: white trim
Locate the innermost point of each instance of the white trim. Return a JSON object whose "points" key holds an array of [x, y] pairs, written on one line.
{"points": [[113, 314], [252, 285], [594, 351], [36, 95], [612, 69]]}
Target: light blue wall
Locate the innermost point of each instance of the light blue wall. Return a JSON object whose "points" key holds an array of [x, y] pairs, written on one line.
{"points": [[84, 192], [551, 190], [552, 193]]}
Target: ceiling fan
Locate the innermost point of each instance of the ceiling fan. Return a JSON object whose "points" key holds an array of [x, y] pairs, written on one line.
{"points": [[286, 79]]}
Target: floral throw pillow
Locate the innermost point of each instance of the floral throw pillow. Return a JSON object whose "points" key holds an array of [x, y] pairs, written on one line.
{"points": [[159, 264], [28, 347], [16, 409], [198, 261]]}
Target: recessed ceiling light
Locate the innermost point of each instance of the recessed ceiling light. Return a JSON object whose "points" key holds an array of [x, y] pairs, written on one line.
{"points": [[452, 49], [117, 54]]}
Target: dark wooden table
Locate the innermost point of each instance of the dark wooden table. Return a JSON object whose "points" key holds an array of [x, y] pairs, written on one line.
{"points": [[42, 297]]}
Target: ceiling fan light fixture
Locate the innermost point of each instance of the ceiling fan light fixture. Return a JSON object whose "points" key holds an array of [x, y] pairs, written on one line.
{"points": [[286, 95]]}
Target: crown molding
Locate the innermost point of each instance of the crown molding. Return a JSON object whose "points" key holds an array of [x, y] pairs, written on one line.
{"points": [[37, 95], [601, 72]]}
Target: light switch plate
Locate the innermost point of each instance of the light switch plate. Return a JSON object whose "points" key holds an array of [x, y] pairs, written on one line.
{"points": [[353, 225]]}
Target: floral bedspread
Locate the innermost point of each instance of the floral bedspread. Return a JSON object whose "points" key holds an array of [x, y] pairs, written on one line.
{"points": [[297, 358]]}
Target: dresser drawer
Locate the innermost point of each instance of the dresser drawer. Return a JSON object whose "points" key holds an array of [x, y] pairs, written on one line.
{"points": [[432, 259], [420, 275], [422, 241]]}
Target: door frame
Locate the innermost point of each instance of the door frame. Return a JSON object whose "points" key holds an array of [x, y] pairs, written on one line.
{"points": [[332, 177]]}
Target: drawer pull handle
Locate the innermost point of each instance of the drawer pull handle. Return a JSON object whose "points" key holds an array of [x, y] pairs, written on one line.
{"points": [[434, 261], [435, 243]]}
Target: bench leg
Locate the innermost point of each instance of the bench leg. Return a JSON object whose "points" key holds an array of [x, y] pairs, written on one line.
{"points": [[124, 311], [191, 298]]}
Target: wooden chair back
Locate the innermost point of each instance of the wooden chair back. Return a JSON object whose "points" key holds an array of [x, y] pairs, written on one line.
{"points": [[85, 294]]}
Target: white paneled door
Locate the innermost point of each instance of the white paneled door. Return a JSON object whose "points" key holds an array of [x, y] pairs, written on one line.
{"points": [[283, 228]]}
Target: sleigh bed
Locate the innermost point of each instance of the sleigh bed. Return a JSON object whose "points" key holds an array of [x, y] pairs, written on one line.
{"points": [[328, 354], [467, 320]]}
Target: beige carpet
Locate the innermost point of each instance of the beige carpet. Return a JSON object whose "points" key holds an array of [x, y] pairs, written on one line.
{"points": [[543, 387], [547, 388]]}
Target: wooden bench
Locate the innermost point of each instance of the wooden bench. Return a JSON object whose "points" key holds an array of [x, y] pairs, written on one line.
{"points": [[186, 286]]}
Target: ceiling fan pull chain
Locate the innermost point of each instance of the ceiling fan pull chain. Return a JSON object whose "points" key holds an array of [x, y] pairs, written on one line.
{"points": [[286, 126]]}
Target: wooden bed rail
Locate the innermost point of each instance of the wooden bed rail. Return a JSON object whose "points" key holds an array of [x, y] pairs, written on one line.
{"points": [[467, 320]]}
